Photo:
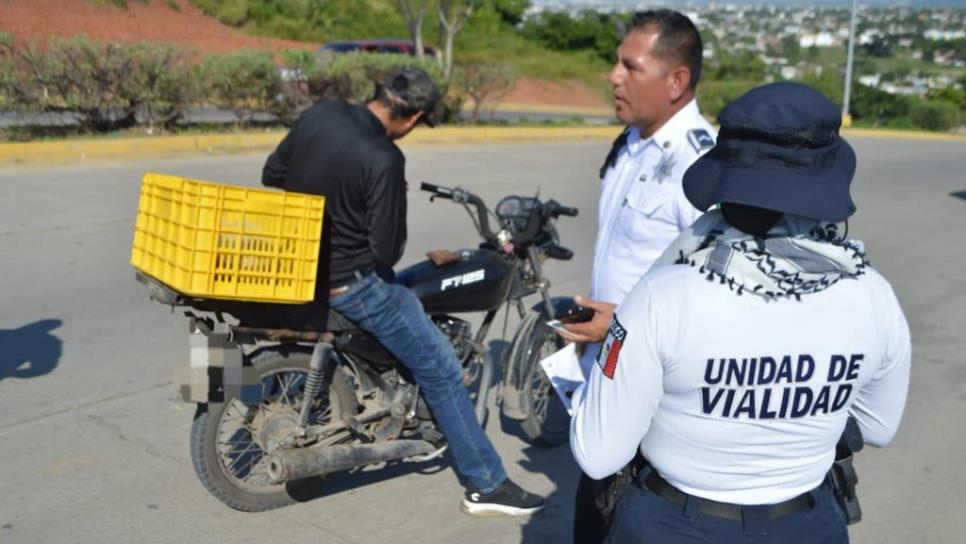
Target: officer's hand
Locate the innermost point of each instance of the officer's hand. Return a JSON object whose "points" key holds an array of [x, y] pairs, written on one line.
{"points": [[594, 330]]}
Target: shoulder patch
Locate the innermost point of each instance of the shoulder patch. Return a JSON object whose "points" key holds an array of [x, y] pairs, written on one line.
{"points": [[610, 352], [700, 139]]}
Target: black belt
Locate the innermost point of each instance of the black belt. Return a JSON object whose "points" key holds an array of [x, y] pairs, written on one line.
{"points": [[724, 510]]}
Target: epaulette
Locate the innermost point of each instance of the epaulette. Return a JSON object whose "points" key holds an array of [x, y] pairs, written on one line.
{"points": [[615, 150], [700, 139]]}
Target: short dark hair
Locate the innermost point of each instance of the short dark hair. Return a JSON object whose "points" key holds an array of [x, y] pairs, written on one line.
{"points": [[678, 39]]}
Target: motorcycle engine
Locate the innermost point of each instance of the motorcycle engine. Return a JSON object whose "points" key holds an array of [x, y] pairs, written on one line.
{"points": [[459, 333]]}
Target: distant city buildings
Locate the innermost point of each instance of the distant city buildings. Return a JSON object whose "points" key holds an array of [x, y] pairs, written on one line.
{"points": [[789, 39]]}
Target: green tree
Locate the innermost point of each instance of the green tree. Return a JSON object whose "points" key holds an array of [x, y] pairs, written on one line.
{"points": [[791, 49], [714, 95], [414, 13], [452, 15], [485, 82], [826, 81], [952, 94], [936, 115], [510, 11], [246, 82], [876, 107], [730, 66], [589, 31], [310, 20], [352, 76], [103, 85]]}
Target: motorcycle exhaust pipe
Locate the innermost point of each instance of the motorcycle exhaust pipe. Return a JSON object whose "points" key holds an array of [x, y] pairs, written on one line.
{"points": [[295, 464]]}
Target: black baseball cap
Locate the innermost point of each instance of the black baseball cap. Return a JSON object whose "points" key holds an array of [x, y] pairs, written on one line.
{"points": [[416, 89]]}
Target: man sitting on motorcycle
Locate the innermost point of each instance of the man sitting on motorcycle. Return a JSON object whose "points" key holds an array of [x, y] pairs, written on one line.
{"points": [[347, 154]]}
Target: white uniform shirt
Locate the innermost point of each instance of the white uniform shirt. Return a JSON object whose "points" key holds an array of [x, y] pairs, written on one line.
{"points": [[737, 399], [642, 205]]}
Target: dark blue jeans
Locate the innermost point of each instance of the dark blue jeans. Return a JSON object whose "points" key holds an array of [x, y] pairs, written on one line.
{"points": [[643, 517], [394, 315]]}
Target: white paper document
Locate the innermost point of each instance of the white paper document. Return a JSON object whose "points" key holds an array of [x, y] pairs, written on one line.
{"points": [[563, 370]]}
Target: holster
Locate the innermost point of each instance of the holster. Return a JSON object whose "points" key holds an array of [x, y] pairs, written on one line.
{"points": [[843, 477], [609, 490]]}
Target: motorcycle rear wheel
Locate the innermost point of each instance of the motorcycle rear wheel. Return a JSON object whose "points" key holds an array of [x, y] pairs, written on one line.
{"points": [[230, 464]]}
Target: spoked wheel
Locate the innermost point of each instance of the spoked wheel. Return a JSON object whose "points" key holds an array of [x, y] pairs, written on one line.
{"points": [[229, 440], [547, 420]]}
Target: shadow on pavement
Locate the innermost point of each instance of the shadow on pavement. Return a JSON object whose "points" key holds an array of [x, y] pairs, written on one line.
{"points": [[345, 481], [555, 522], [30, 351], [552, 524]]}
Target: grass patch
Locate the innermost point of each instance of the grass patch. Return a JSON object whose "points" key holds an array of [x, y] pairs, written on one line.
{"points": [[911, 66], [532, 61]]}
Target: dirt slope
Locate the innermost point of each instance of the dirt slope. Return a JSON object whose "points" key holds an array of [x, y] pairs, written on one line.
{"points": [[152, 21], [157, 21]]}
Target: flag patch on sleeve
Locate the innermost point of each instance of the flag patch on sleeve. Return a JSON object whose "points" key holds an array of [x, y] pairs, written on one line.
{"points": [[609, 354]]}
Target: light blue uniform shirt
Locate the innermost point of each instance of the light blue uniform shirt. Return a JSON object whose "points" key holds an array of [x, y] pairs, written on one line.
{"points": [[642, 206]]}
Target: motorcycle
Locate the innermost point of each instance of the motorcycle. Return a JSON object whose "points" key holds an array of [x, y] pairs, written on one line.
{"points": [[280, 408]]}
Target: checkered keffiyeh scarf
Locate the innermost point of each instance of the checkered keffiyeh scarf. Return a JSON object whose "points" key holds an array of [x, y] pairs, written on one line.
{"points": [[797, 257]]}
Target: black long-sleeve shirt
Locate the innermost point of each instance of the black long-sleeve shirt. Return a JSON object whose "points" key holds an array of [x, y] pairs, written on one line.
{"points": [[341, 152]]}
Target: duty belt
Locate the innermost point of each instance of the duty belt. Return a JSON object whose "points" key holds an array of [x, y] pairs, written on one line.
{"points": [[723, 510]]}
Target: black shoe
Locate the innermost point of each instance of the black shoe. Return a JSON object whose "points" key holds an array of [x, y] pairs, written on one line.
{"points": [[507, 500]]}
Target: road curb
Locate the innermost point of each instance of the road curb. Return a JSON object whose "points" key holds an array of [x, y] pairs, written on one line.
{"points": [[902, 134], [67, 151]]}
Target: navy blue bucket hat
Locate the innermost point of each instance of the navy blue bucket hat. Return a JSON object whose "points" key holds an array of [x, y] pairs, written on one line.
{"points": [[778, 148]]}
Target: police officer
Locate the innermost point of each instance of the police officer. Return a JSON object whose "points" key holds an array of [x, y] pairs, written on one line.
{"points": [[642, 205], [734, 370], [348, 154]]}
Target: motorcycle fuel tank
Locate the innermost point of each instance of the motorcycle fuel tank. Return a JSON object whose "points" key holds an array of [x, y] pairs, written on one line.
{"points": [[477, 282]]}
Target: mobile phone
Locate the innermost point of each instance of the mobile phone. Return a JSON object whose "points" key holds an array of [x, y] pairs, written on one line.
{"points": [[556, 325], [577, 314]]}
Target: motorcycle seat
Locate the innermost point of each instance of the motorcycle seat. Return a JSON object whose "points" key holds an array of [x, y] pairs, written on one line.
{"points": [[336, 322]]}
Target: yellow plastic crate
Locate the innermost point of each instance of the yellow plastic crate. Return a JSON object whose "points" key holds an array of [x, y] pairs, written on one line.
{"points": [[211, 240]]}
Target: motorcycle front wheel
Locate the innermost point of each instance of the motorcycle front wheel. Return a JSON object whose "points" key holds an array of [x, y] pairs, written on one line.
{"points": [[225, 448], [547, 420]]}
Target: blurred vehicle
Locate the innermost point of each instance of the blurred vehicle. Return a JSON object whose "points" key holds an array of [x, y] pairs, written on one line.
{"points": [[402, 47]]}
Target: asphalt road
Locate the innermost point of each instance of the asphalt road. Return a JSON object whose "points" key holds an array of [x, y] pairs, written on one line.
{"points": [[94, 444]]}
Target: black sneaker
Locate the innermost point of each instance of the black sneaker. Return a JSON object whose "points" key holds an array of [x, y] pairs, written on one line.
{"points": [[507, 500]]}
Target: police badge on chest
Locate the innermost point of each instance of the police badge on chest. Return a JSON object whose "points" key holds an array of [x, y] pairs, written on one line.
{"points": [[664, 168]]}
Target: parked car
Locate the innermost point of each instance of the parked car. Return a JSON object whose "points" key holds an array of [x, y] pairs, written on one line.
{"points": [[402, 47]]}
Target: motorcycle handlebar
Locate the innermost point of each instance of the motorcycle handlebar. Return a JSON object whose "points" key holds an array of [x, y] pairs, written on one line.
{"points": [[442, 192], [534, 223], [462, 196], [557, 209]]}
